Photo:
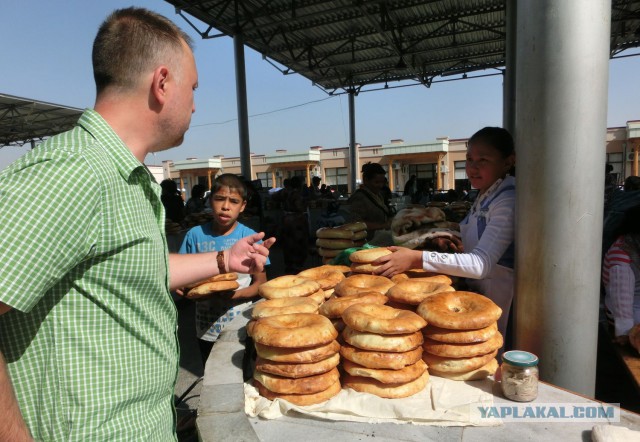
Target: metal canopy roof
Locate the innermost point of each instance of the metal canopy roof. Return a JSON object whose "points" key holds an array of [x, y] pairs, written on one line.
{"points": [[23, 120], [351, 44]]}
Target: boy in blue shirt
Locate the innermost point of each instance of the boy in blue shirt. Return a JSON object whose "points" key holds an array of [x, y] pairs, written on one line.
{"points": [[228, 200]]}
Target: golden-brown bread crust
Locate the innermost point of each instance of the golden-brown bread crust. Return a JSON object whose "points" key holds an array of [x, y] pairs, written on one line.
{"points": [[334, 307], [382, 319], [211, 287], [488, 369], [231, 276], [283, 306], [300, 399], [380, 359], [392, 391], [460, 336], [413, 291], [327, 276], [294, 330], [288, 286], [459, 310], [377, 342], [387, 376], [368, 255], [306, 385], [295, 369], [356, 226], [362, 283], [456, 365], [300, 355], [447, 350]]}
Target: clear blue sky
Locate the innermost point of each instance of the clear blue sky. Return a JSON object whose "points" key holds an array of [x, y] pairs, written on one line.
{"points": [[46, 55]]}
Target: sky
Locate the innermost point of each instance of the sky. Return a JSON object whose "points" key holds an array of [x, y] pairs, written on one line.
{"points": [[45, 52]]}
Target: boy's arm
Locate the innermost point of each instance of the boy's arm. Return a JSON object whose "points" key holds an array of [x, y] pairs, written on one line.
{"points": [[252, 290]]}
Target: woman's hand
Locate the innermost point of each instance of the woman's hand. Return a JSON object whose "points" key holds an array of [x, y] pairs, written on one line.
{"points": [[402, 259], [247, 255]]}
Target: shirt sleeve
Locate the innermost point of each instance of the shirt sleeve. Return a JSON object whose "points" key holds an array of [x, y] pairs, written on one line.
{"points": [[479, 262], [620, 293], [48, 225]]}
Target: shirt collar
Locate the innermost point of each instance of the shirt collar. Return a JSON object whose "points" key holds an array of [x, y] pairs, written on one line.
{"points": [[123, 159]]}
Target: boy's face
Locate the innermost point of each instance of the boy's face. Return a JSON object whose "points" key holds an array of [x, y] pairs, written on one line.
{"points": [[227, 205]]}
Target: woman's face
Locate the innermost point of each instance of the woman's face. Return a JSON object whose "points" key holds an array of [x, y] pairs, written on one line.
{"points": [[376, 183], [485, 165]]}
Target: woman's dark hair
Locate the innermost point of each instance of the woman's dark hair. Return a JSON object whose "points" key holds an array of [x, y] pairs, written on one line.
{"points": [[370, 170], [295, 182], [197, 191], [630, 223], [498, 138], [632, 183], [169, 186], [231, 181]]}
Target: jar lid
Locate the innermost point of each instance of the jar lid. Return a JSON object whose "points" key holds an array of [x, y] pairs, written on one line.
{"points": [[520, 358]]}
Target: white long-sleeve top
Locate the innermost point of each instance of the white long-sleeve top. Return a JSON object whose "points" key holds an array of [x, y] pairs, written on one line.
{"points": [[481, 254], [480, 262]]}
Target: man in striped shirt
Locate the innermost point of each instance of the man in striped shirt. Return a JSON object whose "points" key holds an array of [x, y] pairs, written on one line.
{"points": [[621, 277], [87, 322]]}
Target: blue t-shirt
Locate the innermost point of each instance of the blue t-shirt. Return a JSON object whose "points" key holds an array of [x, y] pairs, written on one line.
{"points": [[213, 314]]}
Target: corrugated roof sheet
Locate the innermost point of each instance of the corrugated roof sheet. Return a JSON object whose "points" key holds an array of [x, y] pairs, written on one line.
{"points": [[344, 44]]}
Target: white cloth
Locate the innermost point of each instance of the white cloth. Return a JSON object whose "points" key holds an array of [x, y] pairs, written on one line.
{"points": [[613, 433], [479, 263], [443, 402]]}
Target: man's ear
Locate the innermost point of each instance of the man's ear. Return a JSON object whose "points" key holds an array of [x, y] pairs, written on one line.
{"points": [[244, 204], [159, 84]]}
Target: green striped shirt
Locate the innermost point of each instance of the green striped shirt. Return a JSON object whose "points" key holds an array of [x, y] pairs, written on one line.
{"points": [[91, 342]]}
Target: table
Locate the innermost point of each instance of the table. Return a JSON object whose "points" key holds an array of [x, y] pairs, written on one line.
{"points": [[221, 413]]}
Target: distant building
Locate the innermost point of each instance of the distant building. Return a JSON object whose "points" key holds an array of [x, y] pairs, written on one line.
{"points": [[438, 165]]}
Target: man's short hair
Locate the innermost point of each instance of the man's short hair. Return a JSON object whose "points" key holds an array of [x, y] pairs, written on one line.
{"points": [[133, 41], [233, 182]]}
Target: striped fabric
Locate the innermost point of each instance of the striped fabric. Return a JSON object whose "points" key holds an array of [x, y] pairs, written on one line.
{"points": [[91, 342], [621, 286]]}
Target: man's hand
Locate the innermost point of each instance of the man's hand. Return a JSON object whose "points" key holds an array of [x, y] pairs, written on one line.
{"points": [[249, 256]]}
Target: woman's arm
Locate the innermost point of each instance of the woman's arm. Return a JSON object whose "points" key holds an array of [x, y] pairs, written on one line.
{"points": [[476, 264]]}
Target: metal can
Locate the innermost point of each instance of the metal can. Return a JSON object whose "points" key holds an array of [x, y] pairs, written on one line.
{"points": [[519, 373]]}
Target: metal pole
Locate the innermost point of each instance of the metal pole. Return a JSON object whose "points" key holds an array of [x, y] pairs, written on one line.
{"points": [[561, 108], [243, 113], [509, 78], [353, 156]]}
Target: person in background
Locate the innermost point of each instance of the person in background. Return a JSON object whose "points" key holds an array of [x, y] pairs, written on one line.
{"points": [[315, 192], [621, 201], [228, 201], [196, 203], [621, 277], [295, 228], [487, 231], [87, 320], [367, 204], [411, 188], [172, 201]]}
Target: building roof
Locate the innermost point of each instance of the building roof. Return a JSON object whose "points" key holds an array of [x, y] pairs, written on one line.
{"points": [[23, 120], [345, 44]]}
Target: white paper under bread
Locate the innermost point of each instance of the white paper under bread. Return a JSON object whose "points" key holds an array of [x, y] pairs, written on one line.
{"points": [[443, 403]]}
